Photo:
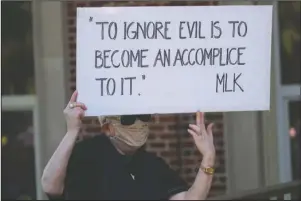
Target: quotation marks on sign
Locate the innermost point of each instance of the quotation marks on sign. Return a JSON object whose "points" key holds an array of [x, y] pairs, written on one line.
{"points": [[113, 86], [174, 57]]}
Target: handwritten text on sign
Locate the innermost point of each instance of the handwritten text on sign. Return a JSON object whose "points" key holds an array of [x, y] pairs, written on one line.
{"points": [[138, 60]]}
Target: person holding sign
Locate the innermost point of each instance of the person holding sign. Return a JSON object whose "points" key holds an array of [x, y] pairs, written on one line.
{"points": [[115, 165]]}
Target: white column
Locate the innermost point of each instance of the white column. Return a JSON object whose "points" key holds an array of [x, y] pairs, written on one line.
{"points": [[269, 118], [243, 151], [50, 71], [251, 144]]}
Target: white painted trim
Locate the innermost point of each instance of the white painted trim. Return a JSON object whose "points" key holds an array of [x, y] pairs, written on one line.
{"points": [[18, 102], [283, 140], [291, 91], [49, 64], [66, 51], [28, 103], [286, 139], [40, 90], [37, 153]]}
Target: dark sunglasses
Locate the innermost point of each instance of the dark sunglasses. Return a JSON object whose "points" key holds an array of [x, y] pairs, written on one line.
{"points": [[127, 120]]}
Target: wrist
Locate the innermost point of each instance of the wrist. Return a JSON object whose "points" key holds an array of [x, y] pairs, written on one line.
{"points": [[208, 160], [73, 132]]}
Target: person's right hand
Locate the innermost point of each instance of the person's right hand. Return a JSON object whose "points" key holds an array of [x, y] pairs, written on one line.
{"points": [[74, 112]]}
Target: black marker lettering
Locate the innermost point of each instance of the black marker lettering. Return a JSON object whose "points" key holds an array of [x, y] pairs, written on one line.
{"points": [[226, 84], [235, 78], [146, 30], [216, 31], [102, 28], [183, 62], [164, 59], [112, 59], [190, 58], [194, 29], [112, 86], [124, 58], [105, 57], [101, 84], [230, 60], [166, 28], [178, 57], [223, 82], [158, 58], [219, 81], [113, 31], [191, 29], [142, 56], [200, 30], [131, 85], [241, 28], [233, 27], [216, 53], [167, 57], [239, 55], [180, 30], [98, 57], [122, 81]]}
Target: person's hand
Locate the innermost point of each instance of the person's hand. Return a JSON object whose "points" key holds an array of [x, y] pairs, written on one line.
{"points": [[74, 112], [203, 139]]}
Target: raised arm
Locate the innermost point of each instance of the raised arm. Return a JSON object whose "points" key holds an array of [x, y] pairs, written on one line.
{"points": [[204, 141], [55, 171]]}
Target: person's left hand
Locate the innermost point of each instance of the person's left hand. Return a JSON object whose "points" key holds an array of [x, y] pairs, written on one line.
{"points": [[203, 138]]}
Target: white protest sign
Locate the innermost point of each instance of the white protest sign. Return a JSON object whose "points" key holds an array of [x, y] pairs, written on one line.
{"points": [[145, 60]]}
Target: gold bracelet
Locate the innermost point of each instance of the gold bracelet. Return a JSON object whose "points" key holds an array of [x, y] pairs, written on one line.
{"points": [[207, 170]]}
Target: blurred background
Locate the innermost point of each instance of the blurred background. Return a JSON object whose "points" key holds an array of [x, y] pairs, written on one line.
{"points": [[258, 153]]}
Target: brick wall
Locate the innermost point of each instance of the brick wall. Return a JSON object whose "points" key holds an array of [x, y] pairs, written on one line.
{"points": [[168, 137]]}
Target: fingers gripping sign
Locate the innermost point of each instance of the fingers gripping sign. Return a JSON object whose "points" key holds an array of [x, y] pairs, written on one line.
{"points": [[203, 137], [74, 112]]}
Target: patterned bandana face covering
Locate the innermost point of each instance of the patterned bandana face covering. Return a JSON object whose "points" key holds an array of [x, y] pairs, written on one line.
{"points": [[134, 135]]}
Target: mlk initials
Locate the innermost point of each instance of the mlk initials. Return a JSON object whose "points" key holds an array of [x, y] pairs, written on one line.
{"points": [[228, 83]]}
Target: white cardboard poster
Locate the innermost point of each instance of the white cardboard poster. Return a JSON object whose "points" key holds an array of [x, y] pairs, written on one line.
{"points": [[146, 60]]}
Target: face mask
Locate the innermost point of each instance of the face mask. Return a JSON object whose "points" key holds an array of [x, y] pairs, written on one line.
{"points": [[134, 135]]}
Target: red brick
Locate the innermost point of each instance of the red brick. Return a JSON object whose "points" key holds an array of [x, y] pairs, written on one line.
{"points": [[72, 46], [167, 154], [87, 120], [156, 127], [72, 29], [157, 145], [70, 5], [71, 13], [93, 129], [72, 54], [188, 144], [71, 22], [167, 136], [175, 162], [189, 162], [82, 4], [73, 79], [72, 62], [97, 3], [71, 39], [167, 118]]}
